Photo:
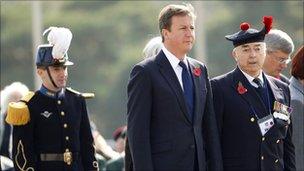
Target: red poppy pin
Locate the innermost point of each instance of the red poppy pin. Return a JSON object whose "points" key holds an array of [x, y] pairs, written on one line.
{"points": [[241, 89], [197, 71]]}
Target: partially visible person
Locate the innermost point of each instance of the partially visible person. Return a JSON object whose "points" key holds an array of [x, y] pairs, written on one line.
{"points": [[279, 48], [101, 145], [11, 93], [297, 103], [252, 108], [119, 136], [153, 47], [51, 126]]}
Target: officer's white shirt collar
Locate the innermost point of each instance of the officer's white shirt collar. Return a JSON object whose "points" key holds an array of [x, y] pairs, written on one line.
{"points": [[250, 78], [174, 61]]}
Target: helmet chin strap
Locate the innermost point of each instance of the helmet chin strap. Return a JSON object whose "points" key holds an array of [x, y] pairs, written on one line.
{"points": [[48, 72]]}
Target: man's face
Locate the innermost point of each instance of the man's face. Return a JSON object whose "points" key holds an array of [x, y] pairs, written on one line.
{"points": [[250, 57], [180, 38], [275, 62], [59, 75]]}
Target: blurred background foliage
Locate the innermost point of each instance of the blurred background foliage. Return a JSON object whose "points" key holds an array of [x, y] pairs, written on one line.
{"points": [[108, 38]]}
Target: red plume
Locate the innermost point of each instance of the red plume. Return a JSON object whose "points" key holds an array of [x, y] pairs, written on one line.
{"points": [[267, 20], [244, 26]]}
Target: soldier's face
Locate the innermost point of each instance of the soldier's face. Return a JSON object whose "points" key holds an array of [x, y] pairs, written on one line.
{"points": [[59, 75], [250, 57], [180, 38]]}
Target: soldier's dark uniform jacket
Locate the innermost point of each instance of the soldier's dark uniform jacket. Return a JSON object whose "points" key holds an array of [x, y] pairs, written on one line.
{"points": [[57, 136], [255, 129], [243, 146]]}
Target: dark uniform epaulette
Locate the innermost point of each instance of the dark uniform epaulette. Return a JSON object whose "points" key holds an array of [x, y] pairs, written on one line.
{"points": [[84, 95], [18, 112]]}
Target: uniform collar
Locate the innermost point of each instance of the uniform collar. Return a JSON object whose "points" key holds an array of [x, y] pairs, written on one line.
{"points": [[50, 93]]}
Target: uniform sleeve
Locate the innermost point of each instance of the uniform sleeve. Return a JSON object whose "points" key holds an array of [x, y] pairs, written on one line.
{"points": [[87, 148], [24, 157], [210, 130], [138, 118]]}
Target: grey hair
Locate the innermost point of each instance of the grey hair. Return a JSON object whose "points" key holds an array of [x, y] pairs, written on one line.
{"points": [[10, 93], [153, 47], [279, 40]]}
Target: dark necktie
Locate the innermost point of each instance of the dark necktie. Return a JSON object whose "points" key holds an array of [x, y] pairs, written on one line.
{"points": [[188, 88], [261, 91]]}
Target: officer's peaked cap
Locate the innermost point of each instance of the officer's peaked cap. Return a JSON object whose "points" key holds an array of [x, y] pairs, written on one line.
{"points": [[55, 53], [45, 58]]}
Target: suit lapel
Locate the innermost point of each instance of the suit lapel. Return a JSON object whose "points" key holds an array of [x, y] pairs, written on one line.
{"points": [[168, 73], [251, 96], [199, 96]]}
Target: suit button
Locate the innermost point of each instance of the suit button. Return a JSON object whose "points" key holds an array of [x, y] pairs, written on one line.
{"points": [[67, 138], [277, 160], [252, 119], [278, 141], [62, 113], [262, 157], [263, 138], [65, 125], [59, 102]]}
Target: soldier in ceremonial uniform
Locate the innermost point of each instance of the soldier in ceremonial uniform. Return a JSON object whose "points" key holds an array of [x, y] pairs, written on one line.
{"points": [[252, 108], [51, 126]]}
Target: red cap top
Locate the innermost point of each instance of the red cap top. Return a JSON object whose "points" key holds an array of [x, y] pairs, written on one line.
{"points": [[244, 26]]}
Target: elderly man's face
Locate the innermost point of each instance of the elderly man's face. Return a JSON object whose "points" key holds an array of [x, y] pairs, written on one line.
{"points": [[275, 62], [250, 57]]}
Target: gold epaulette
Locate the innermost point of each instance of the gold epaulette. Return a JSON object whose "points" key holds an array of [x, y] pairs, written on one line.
{"points": [[18, 112], [84, 95]]}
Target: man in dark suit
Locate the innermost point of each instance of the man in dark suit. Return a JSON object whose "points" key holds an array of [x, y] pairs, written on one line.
{"points": [[51, 126], [171, 122], [252, 109]]}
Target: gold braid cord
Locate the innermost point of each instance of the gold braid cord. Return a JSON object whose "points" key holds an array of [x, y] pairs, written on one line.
{"points": [[20, 149]]}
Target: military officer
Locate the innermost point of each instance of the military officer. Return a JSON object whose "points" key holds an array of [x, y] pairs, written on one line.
{"points": [[252, 108], [51, 126]]}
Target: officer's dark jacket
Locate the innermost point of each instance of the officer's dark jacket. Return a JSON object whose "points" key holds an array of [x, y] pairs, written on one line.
{"points": [[56, 125], [243, 146]]}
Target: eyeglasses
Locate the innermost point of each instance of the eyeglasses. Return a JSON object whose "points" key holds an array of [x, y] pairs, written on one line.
{"points": [[283, 60], [279, 58]]}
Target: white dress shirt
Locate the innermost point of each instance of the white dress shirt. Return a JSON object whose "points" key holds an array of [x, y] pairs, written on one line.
{"points": [[174, 61], [250, 79]]}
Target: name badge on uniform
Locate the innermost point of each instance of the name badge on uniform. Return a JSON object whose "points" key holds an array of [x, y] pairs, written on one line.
{"points": [[281, 111], [265, 124]]}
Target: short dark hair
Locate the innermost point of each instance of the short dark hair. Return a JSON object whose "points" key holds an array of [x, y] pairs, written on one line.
{"points": [[297, 66], [166, 14]]}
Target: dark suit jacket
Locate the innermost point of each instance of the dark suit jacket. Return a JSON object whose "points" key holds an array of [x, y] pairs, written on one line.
{"points": [[160, 134], [243, 147]]}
